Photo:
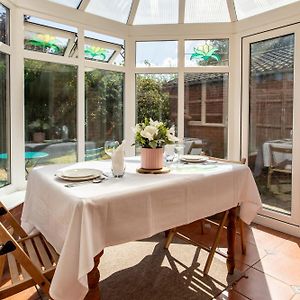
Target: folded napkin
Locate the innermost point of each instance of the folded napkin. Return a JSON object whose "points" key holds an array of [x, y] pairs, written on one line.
{"points": [[117, 159]]}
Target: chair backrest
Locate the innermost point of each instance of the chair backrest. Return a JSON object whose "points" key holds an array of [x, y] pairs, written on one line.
{"points": [[283, 156], [202, 145], [23, 272]]}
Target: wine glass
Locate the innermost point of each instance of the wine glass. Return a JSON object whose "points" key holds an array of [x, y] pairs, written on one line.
{"points": [[179, 150], [110, 146]]}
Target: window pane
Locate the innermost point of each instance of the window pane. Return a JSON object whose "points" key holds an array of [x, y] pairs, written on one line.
{"points": [[4, 122], [117, 10], [203, 11], [104, 48], [156, 97], [248, 8], [50, 113], [49, 37], [271, 120], [157, 12], [206, 53], [205, 111], [45, 43], [104, 92], [4, 24], [156, 54]]}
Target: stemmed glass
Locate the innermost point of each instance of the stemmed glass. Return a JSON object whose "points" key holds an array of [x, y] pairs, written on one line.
{"points": [[110, 146], [179, 150]]}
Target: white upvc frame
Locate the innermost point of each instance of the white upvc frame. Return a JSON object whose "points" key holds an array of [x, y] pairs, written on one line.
{"points": [[294, 29]]}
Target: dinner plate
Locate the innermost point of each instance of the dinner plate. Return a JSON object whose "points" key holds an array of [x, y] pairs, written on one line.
{"points": [[193, 158], [78, 174]]}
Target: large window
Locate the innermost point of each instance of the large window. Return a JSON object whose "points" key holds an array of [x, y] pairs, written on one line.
{"points": [[4, 122], [50, 113], [205, 110], [104, 91], [156, 96]]}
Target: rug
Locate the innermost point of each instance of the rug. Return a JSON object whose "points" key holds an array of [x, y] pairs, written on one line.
{"points": [[144, 270]]}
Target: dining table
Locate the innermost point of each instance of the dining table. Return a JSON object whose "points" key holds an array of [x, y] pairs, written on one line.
{"points": [[81, 219]]}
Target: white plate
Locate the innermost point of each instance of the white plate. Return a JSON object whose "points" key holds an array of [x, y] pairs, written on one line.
{"points": [[78, 174], [194, 158]]}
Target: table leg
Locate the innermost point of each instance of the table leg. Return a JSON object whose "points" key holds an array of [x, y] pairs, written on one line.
{"points": [[93, 280], [231, 230]]}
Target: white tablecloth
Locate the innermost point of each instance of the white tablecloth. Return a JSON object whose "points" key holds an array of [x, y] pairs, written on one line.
{"points": [[279, 157], [81, 221]]}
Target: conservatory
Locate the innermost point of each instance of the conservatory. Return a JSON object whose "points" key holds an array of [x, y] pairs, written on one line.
{"points": [[78, 74]]}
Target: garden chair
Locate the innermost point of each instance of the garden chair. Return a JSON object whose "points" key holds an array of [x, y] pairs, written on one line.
{"points": [[25, 260]]}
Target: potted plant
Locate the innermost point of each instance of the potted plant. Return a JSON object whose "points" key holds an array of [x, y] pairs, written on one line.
{"points": [[38, 128], [152, 136]]}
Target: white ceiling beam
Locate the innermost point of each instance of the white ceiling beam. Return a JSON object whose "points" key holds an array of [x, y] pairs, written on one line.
{"points": [[84, 4], [133, 10], [231, 9], [181, 11]]}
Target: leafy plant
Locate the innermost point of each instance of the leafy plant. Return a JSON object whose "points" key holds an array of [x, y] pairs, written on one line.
{"points": [[45, 41], [93, 52]]}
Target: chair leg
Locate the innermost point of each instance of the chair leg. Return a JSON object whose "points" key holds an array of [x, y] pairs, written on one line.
{"points": [[269, 178], [215, 244], [202, 226], [170, 237], [242, 233]]}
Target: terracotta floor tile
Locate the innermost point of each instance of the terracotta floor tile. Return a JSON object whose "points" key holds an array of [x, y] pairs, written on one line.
{"points": [[260, 286], [282, 267], [231, 294]]}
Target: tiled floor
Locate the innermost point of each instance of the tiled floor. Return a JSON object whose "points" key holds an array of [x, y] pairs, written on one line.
{"points": [[271, 265]]}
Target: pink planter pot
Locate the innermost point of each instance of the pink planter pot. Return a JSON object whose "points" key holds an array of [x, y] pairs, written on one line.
{"points": [[152, 159]]}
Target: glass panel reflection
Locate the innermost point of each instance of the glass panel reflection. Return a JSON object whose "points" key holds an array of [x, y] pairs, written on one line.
{"points": [[104, 92], [50, 113], [205, 111], [4, 122], [271, 120]]}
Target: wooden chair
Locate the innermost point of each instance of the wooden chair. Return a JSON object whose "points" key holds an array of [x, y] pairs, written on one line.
{"points": [[28, 260], [284, 166], [220, 225], [202, 145]]}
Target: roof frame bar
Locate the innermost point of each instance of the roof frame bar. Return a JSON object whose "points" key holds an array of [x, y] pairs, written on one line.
{"points": [[133, 10], [84, 4], [232, 11], [181, 11]]}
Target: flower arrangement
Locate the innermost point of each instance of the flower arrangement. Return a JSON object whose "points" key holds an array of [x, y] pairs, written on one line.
{"points": [[38, 125], [154, 134]]}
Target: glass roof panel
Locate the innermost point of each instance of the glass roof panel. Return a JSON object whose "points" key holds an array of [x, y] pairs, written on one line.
{"points": [[248, 8], [70, 3], [157, 12], [117, 10], [203, 11]]}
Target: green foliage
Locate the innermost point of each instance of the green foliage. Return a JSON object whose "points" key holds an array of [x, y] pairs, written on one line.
{"points": [[153, 100]]}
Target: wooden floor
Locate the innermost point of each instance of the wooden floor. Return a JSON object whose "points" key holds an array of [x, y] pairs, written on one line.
{"points": [[271, 266]]}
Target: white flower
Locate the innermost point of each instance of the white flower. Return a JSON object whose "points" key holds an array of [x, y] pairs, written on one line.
{"points": [[171, 135], [149, 132], [137, 128], [155, 123]]}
